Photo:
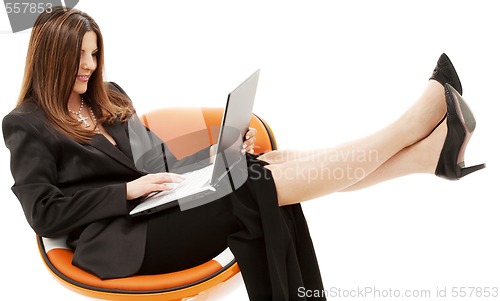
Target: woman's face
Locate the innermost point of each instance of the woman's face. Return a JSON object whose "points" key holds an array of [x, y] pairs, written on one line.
{"points": [[88, 62]]}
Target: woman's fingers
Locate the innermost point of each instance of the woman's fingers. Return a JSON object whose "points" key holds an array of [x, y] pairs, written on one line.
{"points": [[248, 146], [250, 133], [165, 177], [152, 183], [249, 143], [162, 182]]}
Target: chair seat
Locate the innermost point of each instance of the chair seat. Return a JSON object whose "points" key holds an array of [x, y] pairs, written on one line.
{"points": [[59, 258]]}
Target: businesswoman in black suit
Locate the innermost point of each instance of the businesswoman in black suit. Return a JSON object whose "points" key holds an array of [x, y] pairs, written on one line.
{"points": [[72, 162]]}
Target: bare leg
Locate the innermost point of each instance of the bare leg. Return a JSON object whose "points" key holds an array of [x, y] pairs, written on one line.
{"points": [[335, 169], [420, 157]]}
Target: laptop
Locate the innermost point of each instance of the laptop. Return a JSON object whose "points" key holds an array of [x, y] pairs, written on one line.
{"points": [[228, 170]]}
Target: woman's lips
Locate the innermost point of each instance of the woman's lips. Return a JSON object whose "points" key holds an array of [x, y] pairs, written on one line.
{"points": [[83, 78]]}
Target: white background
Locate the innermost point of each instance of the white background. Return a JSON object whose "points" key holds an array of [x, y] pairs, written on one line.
{"points": [[331, 71]]}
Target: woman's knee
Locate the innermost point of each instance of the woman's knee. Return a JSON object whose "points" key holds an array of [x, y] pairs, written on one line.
{"points": [[284, 183]]}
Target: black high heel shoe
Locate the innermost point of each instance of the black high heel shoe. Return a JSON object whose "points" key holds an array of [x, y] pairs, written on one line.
{"points": [[446, 73], [461, 124]]}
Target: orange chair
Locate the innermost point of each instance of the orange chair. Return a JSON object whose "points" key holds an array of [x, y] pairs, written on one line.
{"points": [[201, 127], [168, 124]]}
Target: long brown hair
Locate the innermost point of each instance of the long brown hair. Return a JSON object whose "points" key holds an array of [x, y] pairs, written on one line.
{"points": [[52, 65]]}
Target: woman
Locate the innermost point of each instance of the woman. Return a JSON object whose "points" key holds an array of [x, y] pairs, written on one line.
{"points": [[75, 176]]}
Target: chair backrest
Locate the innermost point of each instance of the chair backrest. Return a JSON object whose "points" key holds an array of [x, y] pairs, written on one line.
{"points": [[168, 124], [188, 129]]}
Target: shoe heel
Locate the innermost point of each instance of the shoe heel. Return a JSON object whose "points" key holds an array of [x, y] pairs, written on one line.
{"points": [[463, 171], [461, 124]]}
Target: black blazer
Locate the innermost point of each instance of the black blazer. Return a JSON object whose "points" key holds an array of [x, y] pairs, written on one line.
{"points": [[79, 190]]}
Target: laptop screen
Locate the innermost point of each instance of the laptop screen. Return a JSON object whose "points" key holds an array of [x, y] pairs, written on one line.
{"points": [[234, 125]]}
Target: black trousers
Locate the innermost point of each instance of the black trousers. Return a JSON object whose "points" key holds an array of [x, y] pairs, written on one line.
{"points": [[272, 244]]}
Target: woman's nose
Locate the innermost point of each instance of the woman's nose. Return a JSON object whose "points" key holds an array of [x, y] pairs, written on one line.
{"points": [[88, 63]]}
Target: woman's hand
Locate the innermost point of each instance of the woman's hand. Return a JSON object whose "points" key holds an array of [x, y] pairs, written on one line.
{"points": [[248, 144], [151, 183]]}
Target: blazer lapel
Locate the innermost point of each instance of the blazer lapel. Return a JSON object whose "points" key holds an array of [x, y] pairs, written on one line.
{"points": [[122, 153], [119, 131]]}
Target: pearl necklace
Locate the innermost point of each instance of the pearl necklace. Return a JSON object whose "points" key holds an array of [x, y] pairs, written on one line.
{"points": [[84, 119]]}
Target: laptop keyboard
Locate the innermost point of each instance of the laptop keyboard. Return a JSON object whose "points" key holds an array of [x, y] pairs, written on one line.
{"points": [[194, 180]]}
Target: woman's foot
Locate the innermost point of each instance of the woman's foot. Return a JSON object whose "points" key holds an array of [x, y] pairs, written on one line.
{"points": [[430, 109], [424, 115], [428, 151]]}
